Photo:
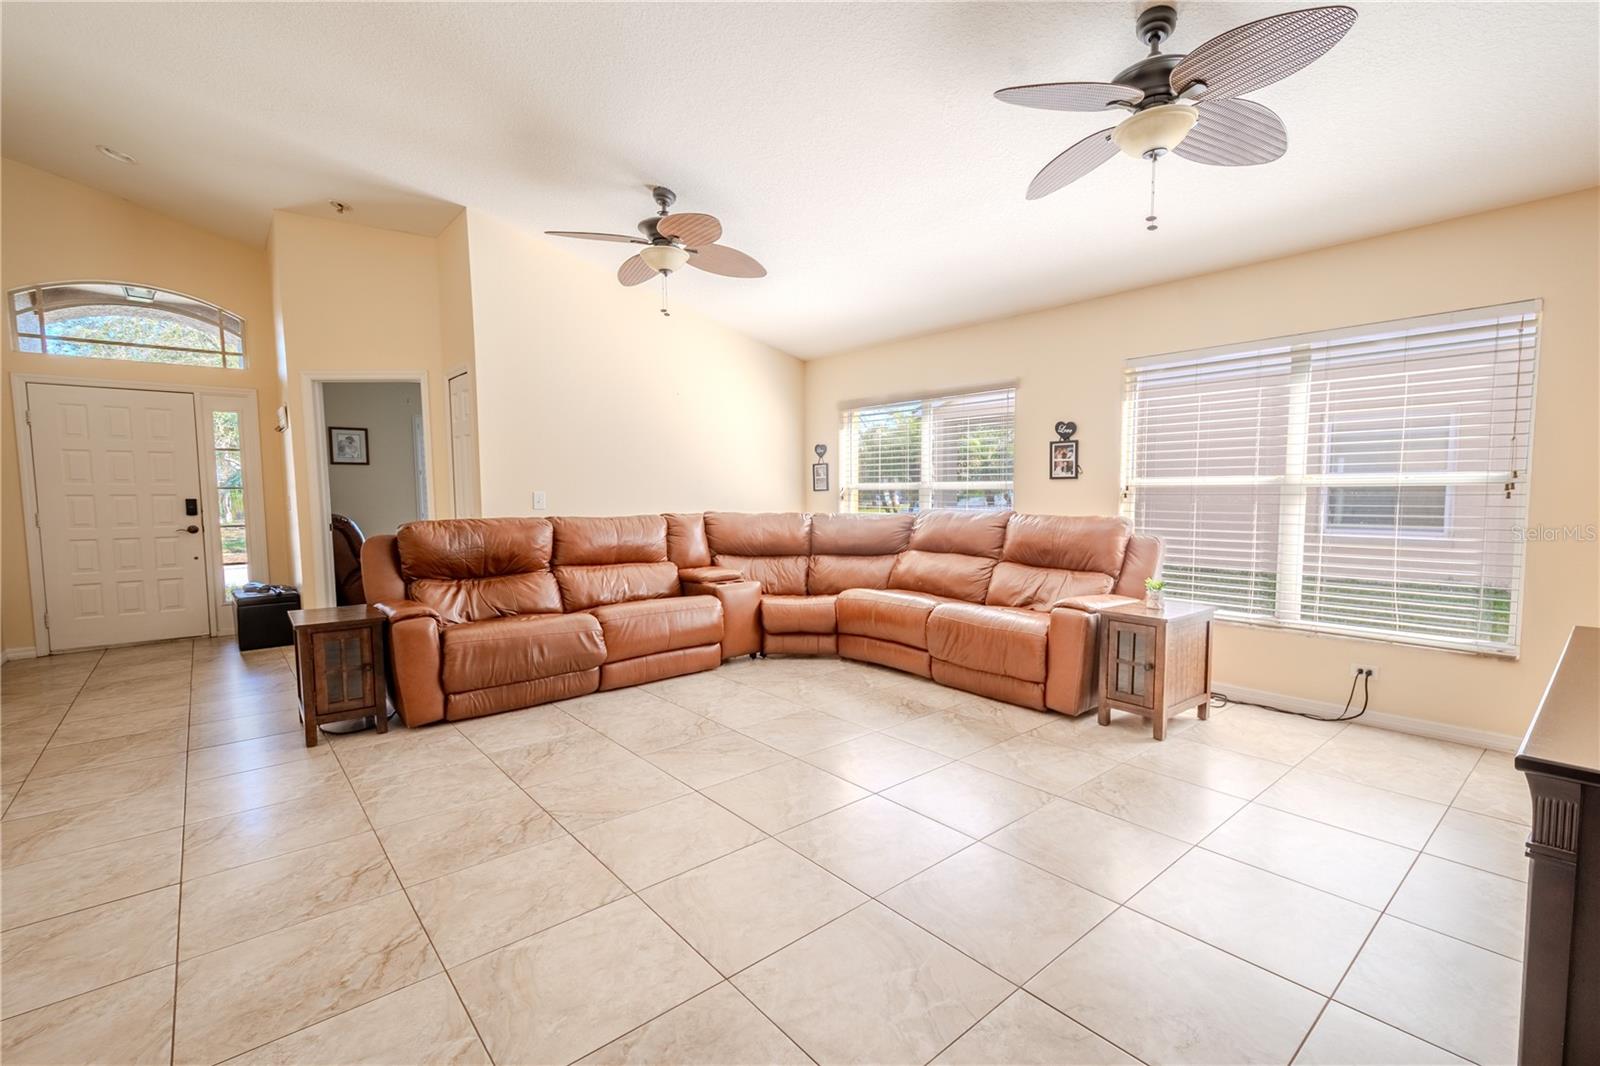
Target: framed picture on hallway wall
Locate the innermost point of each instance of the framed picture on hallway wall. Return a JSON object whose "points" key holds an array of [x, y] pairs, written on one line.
{"points": [[819, 477], [347, 446]]}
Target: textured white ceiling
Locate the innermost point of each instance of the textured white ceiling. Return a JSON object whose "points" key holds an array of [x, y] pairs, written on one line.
{"points": [[853, 148]]}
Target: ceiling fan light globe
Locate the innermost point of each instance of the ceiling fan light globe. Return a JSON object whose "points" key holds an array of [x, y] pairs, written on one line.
{"points": [[664, 258], [1155, 129]]}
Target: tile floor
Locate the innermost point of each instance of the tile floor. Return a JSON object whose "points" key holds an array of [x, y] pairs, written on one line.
{"points": [[782, 861]]}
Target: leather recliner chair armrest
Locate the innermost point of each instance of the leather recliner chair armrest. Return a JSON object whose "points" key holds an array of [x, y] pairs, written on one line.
{"points": [[709, 575], [415, 678], [400, 610], [1093, 604], [741, 609], [1072, 666]]}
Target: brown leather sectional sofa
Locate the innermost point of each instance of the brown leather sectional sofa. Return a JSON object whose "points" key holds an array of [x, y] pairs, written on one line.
{"points": [[487, 615]]}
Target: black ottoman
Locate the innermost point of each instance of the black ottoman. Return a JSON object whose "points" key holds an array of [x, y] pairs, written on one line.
{"points": [[261, 616]]}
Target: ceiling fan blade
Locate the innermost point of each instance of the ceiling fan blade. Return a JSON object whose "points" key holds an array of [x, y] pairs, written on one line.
{"points": [[1071, 95], [585, 236], [635, 271], [1234, 133], [729, 262], [690, 228], [1262, 52], [1072, 164]]}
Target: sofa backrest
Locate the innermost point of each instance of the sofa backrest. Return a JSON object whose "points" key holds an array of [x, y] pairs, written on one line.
{"points": [[951, 553], [855, 551], [1048, 557], [610, 560], [773, 548], [1142, 561], [686, 540], [469, 569]]}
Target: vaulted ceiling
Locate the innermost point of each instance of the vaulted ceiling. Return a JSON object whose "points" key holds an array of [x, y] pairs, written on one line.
{"points": [[854, 148]]}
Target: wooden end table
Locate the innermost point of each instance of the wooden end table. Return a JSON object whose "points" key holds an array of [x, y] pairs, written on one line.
{"points": [[1155, 661], [338, 662]]}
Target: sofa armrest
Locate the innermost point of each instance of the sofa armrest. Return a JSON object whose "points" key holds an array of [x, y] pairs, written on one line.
{"points": [[416, 680], [1072, 682], [708, 575], [400, 610], [1093, 604], [741, 609]]}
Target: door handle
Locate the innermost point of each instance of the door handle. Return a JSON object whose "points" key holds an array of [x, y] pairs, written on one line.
{"points": [[188, 529]]}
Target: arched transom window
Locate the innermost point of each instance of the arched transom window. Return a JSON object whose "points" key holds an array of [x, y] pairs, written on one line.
{"points": [[112, 320]]}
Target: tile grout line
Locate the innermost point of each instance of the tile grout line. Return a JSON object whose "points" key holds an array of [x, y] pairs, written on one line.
{"points": [[183, 825], [1416, 856], [76, 693]]}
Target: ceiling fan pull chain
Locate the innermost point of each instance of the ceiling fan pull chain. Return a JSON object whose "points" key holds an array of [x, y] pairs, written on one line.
{"points": [[1151, 217], [665, 313]]}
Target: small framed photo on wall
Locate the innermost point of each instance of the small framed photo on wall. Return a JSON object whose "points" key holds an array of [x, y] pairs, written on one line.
{"points": [[347, 446], [819, 477], [1063, 460]]}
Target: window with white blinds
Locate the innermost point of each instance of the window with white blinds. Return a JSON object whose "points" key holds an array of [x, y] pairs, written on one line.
{"points": [[937, 451], [1370, 481]]}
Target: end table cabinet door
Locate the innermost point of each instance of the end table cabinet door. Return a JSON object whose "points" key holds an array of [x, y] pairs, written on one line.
{"points": [[1130, 663], [343, 663]]}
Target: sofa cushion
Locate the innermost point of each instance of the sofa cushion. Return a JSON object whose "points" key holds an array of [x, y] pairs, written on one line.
{"points": [[798, 614], [451, 548], [947, 574], [963, 532], [505, 651], [583, 587], [860, 534], [472, 569], [1016, 585], [474, 599], [608, 541], [781, 575], [995, 640], [828, 574], [886, 614], [1067, 542], [646, 627], [782, 533]]}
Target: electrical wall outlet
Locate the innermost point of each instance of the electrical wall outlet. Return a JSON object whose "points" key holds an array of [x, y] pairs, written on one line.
{"points": [[1358, 669], [539, 502]]}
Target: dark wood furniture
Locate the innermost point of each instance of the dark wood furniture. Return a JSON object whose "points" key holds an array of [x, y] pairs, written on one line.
{"points": [[338, 659], [1561, 756], [1155, 661]]}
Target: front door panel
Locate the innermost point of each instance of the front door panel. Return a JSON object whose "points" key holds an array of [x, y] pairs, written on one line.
{"points": [[113, 469]]}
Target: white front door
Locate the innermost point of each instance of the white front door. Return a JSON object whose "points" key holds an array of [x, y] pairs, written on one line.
{"points": [[114, 469], [463, 447]]}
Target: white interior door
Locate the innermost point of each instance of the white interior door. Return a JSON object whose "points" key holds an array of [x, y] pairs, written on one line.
{"points": [[463, 447], [113, 468]]}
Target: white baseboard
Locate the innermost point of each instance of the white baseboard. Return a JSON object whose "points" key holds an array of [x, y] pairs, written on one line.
{"points": [[18, 653], [1422, 727]]}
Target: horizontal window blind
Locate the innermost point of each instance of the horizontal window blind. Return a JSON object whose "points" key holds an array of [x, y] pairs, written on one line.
{"points": [[939, 451], [1371, 481]]}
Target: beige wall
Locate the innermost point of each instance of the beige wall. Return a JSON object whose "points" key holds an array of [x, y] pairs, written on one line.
{"points": [[456, 338], [52, 230], [586, 393], [381, 493], [1068, 365], [357, 300]]}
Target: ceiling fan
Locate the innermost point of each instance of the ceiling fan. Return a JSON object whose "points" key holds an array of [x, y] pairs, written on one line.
{"points": [[670, 241], [1188, 105]]}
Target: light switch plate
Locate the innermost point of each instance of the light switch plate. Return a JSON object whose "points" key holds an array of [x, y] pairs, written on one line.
{"points": [[539, 501]]}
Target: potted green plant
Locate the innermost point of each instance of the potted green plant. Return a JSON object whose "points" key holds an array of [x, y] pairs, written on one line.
{"points": [[1153, 587]]}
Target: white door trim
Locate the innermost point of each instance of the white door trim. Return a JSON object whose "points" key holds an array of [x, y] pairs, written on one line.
{"points": [[314, 445], [473, 491], [30, 489]]}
